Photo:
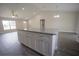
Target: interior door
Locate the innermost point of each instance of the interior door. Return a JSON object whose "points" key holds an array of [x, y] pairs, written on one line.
{"points": [[42, 24]]}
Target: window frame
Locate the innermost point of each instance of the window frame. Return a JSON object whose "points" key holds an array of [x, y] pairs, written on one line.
{"points": [[9, 24]]}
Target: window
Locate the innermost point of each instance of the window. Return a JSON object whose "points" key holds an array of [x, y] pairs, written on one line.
{"points": [[12, 25], [7, 25]]}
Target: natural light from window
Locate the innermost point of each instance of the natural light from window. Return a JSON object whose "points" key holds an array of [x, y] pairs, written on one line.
{"points": [[7, 25]]}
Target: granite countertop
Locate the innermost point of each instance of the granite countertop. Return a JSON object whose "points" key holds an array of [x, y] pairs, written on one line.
{"points": [[47, 31]]}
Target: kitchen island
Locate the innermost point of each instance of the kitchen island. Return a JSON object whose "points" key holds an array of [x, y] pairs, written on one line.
{"points": [[42, 41]]}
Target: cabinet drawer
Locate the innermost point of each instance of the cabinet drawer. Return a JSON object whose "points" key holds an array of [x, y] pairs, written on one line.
{"points": [[44, 35], [45, 38]]}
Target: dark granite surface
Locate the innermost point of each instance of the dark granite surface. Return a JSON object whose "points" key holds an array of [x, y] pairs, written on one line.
{"points": [[48, 31]]}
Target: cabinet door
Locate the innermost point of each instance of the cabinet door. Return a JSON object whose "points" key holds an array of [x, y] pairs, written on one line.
{"points": [[33, 44], [43, 46], [39, 44], [46, 47]]}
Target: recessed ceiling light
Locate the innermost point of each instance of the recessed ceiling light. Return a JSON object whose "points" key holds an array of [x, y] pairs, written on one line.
{"points": [[22, 8], [57, 16], [25, 28]]}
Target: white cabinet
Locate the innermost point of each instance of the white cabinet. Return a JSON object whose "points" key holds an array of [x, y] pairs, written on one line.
{"points": [[32, 43], [42, 46], [39, 47], [22, 37], [42, 43]]}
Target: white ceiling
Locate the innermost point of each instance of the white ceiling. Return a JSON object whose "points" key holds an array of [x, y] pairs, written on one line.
{"points": [[44, 6], [58, 6], [31, 8]]}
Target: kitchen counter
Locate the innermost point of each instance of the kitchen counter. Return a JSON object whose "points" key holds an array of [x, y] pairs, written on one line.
{"points": [[48, 31], [45, 41], [42, 41]]}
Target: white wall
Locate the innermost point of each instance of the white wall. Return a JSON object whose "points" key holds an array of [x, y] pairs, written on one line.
{"points": [[66, 22], [19, 24], [77, 23]]}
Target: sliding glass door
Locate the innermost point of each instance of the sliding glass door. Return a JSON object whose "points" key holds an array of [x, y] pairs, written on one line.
{"points": [[9, 24]]}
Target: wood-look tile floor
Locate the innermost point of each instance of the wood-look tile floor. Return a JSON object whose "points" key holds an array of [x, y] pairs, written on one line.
{"points": [[10, 46]]}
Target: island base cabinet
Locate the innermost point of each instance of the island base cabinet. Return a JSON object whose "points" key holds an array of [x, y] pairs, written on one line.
{"points": [[41, 43]]}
